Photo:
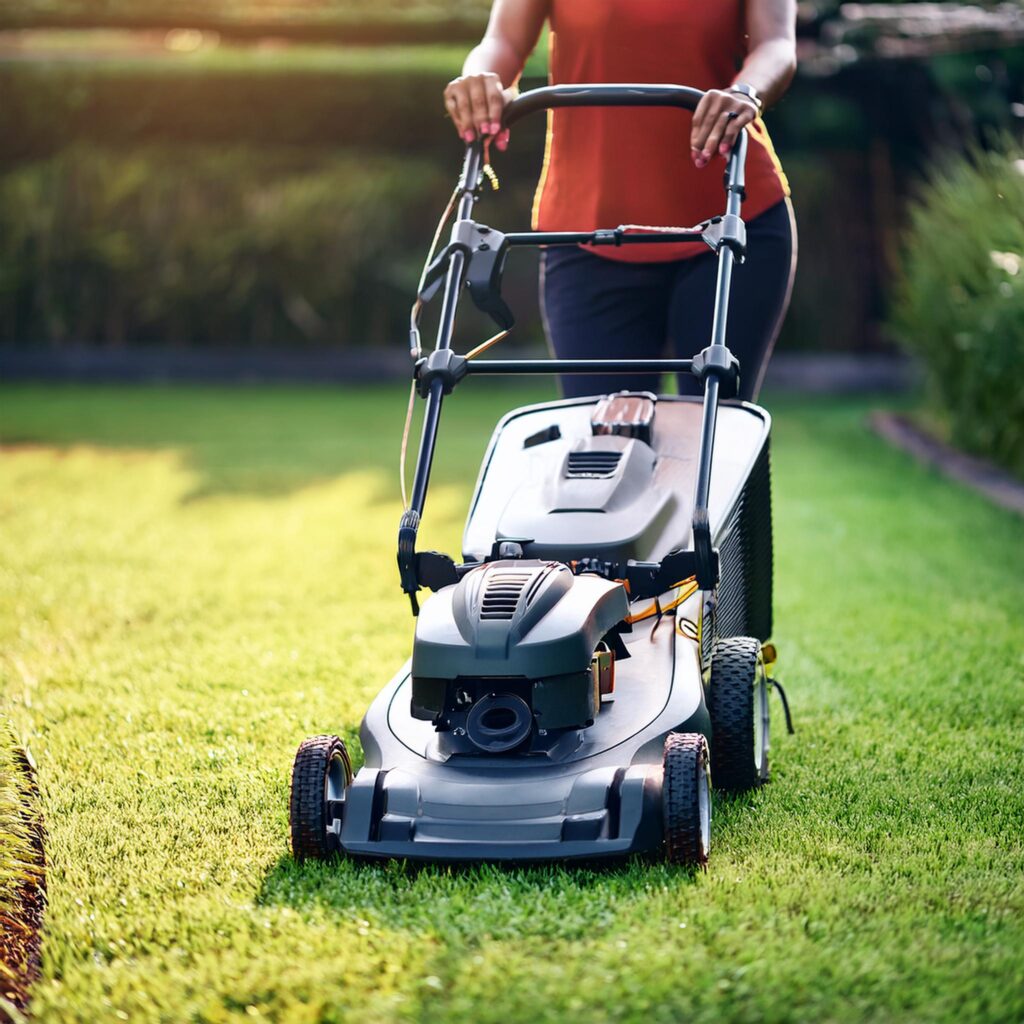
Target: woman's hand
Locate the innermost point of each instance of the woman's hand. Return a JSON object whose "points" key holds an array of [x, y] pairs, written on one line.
{"points": [[475, 104], [717, 122]]}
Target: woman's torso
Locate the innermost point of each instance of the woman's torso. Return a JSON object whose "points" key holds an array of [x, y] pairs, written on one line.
{"points": [[608, 166]]}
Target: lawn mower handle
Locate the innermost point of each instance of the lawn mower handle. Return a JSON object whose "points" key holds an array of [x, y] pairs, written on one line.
{"points": [[713, 365], [600, 95]]}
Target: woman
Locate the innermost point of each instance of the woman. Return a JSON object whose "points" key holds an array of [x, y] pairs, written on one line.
{"points": [[609, 166]]}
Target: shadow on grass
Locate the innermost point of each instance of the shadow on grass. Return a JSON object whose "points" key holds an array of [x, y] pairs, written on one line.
{"points": [[260, 440], [489, 897]]}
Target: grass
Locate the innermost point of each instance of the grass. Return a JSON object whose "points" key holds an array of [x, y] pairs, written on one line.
{"points": [[192, 580], [21, 874]]}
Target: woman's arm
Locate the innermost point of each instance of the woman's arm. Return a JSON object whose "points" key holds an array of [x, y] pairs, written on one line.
{"points": [[476, 99], [769, 68]]}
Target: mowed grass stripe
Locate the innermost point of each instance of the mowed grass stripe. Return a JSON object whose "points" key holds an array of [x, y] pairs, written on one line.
{"points": [[192, 580]]}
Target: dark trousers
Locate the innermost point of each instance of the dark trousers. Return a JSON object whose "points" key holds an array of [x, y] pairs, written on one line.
{"points": [[597, 308]]}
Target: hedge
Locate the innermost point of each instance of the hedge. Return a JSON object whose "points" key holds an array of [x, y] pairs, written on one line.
{"points": [[191, 245], [373, 21], [961, 302], [282, 103], [199, 245]]}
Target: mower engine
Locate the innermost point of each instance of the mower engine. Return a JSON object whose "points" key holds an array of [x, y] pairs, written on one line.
{"points": [[516, 656]]}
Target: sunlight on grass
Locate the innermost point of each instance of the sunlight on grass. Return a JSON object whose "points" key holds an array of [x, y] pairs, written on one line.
{"points": [[193, 580]]}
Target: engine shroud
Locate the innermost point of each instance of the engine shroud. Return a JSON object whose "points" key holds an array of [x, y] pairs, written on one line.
{"points": [[526, 629]]}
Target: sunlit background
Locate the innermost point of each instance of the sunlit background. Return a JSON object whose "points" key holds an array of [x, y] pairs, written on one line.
{"points": [[181, 180], [196, 573]]}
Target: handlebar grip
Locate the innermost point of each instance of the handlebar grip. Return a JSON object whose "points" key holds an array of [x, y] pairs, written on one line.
{"points": [[601, 95]]}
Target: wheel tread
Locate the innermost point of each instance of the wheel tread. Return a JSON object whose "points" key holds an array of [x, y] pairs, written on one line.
{"points": [[309, 836], [731, 705], [686, 755]]}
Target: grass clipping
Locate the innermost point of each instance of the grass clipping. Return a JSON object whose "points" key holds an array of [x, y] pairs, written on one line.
{"points": [[22, 879]]}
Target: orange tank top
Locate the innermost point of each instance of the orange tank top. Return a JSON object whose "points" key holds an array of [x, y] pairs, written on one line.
{"points": [[609, 166]]}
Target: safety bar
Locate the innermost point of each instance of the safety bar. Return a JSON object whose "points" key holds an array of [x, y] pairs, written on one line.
{"points": [[570, 366]]}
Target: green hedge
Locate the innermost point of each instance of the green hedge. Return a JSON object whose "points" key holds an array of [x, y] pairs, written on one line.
{"points": [[201, 245], [333, 100], [961, 304], [191, 245], [353, 20], [387, 98]]}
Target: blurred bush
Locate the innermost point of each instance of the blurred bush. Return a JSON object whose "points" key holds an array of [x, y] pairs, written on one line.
{"points": [[351, 20], [388, 99], [200, 245], [204, 245], [960, 306]]}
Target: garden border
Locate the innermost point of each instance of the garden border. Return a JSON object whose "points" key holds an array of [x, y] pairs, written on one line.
{"points": [[980, 475], [21, 937]]}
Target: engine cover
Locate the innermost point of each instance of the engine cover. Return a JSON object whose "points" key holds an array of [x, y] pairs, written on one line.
{"points": [[516, 618]]}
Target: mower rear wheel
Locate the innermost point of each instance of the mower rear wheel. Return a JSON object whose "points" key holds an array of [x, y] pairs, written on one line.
{"points": [[686, 799], [738, 705], [321, 775]]}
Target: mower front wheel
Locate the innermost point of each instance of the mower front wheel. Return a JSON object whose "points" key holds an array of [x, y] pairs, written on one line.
{"points": [[686, 799], [321, 775]]}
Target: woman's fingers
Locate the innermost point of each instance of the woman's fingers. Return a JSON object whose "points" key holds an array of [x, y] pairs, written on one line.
{"points": [[475, 104], [703, 120], [478, 101], [495, 103], [717, 122], [733, 127], [456, 100], [732, 118]]}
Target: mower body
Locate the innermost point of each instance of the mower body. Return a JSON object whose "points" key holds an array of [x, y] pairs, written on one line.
{"points": [[530, 722]]}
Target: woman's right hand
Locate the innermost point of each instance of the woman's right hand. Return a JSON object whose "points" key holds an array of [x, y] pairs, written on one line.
{"points": [[475, 104]]}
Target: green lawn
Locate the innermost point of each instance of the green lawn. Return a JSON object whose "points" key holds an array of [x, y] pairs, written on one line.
{"points": [[192, 580]]}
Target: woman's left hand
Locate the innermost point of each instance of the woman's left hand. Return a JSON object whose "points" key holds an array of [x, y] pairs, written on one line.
{"points": [[714, 129]]}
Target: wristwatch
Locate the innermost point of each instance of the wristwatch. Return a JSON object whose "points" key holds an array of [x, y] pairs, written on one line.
{"points": [[750, 92]]}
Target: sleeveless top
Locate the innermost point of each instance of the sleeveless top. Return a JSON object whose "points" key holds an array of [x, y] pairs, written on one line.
{"points": [[631, 165]]}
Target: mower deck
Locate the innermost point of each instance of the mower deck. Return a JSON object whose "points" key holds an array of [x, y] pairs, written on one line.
{"points": [[601, 798]]}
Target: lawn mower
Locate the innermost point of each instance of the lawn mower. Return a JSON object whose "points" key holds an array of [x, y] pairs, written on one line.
{"points": [[600, 653]]}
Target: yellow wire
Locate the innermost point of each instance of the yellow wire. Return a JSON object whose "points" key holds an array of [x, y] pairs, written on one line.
{"points": [[417, 306], [691, 588], [414, 321], [405, 444], [485, 345]]}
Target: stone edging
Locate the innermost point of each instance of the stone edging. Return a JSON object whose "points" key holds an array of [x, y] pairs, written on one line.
{"points": [[981, 476]]}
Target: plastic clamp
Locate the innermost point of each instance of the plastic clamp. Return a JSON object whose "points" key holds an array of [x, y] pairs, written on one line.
{"points": [[442, 364], [718, 361]]}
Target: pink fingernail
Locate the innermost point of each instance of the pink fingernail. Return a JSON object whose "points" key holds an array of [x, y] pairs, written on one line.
{"points": [[468, 136], [723, 149], [494, 127]]}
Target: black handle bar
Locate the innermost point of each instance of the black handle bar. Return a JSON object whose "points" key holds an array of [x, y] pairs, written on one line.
{"points": [[601, 95]]}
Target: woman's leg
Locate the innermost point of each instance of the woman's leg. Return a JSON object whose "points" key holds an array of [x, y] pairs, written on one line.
{"points": [[596, 308], [758, 300]]}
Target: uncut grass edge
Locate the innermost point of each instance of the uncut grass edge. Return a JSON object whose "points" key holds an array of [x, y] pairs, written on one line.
{"points": [[22, 876]]}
